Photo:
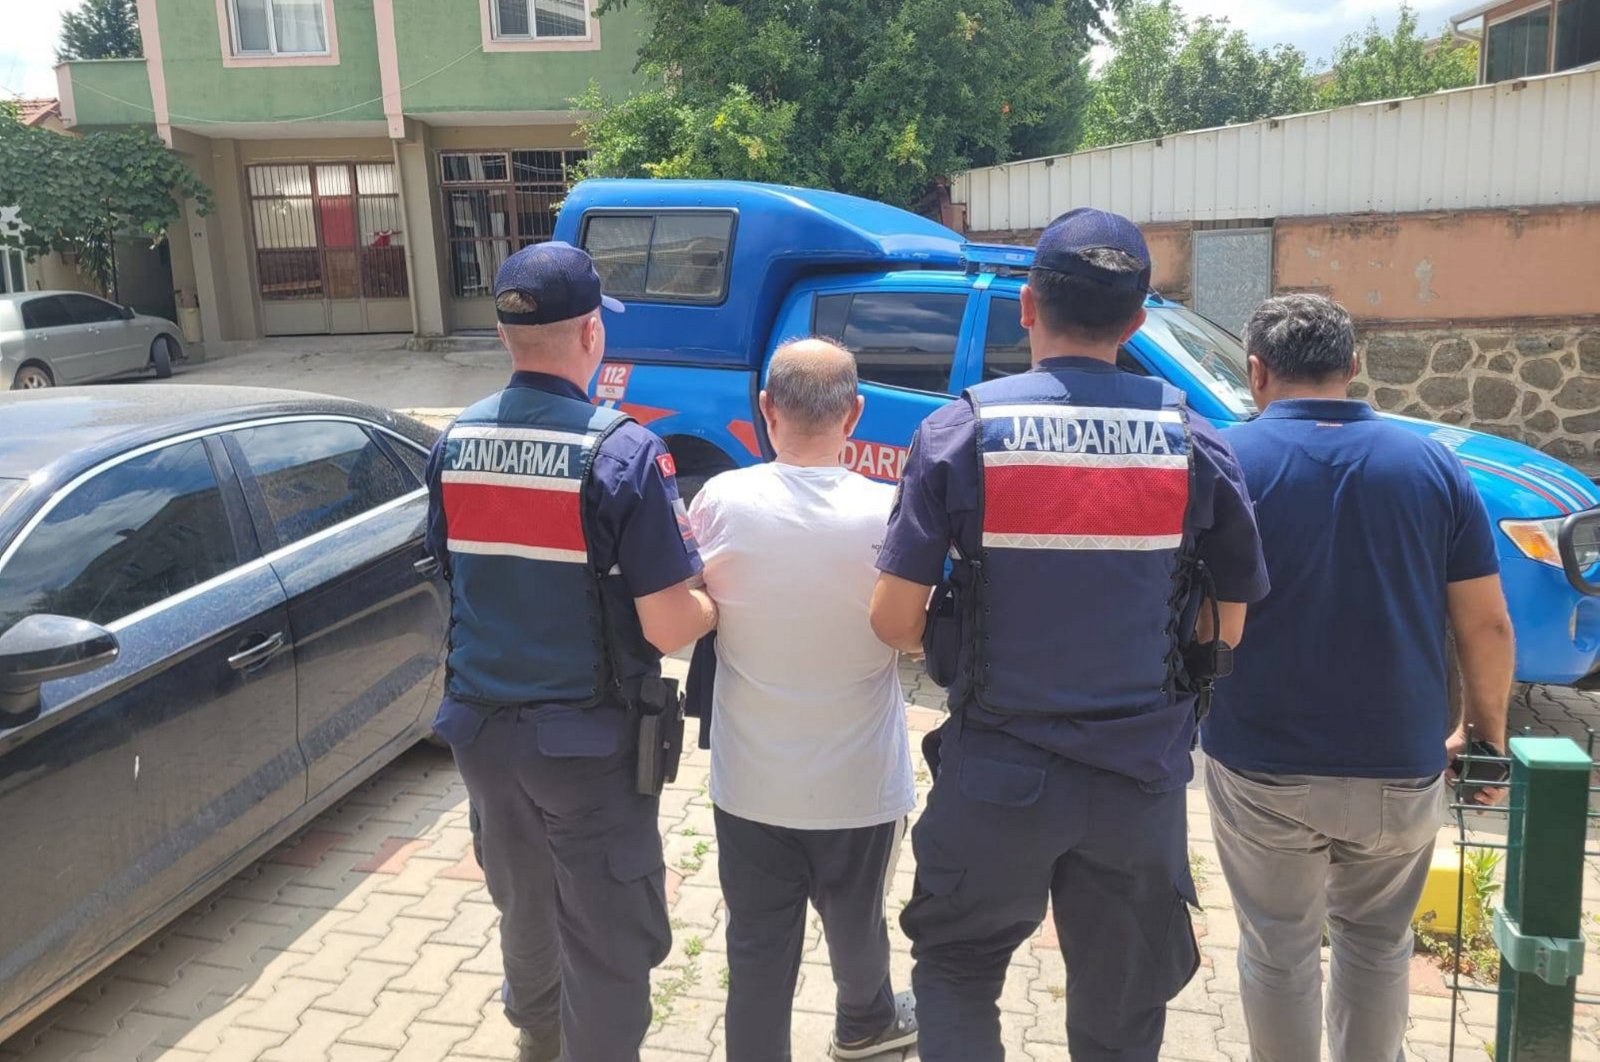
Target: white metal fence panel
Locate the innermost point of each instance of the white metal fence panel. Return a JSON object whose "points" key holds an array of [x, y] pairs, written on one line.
{"points": [[1513, 144]]}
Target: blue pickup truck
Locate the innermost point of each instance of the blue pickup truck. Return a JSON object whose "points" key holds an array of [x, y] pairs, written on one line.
{"points": [[716, 274]]}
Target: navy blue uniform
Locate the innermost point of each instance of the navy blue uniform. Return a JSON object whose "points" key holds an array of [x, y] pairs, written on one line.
{"points": [[1085, 493], [551, 517]]}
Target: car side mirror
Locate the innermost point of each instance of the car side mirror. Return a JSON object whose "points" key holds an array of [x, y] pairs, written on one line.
{"points": [[128, 313], [1579, 542], [41, 648]]}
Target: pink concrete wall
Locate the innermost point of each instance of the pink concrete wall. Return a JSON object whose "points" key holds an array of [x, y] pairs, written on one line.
{"points": [[1462, 266]]}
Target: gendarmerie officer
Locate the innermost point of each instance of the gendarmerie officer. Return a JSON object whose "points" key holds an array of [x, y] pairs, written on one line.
{"points": [[1078, 503], [561, 529]]}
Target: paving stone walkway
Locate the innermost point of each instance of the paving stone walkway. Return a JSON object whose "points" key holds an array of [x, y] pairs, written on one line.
{"points": [[369, 937]]}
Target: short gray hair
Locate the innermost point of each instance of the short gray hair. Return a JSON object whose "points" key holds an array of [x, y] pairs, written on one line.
{"points": [[1307, 338], [813, 382]]}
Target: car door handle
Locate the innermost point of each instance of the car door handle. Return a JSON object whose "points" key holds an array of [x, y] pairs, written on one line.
{"points": [[427, 567], [257, 652]]}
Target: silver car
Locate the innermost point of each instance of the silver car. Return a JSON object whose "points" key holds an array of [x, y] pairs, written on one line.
{"points": [[67, 337]]}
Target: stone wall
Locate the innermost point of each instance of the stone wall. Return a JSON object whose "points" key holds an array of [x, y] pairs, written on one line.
{"points": [[1540, 386]]}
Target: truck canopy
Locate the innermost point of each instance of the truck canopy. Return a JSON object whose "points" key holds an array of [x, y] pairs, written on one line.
{"points": [[704, 266]]}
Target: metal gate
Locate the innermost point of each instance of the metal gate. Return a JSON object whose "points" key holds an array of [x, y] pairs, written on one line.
{"points": [[330, 248], [1517, 962]]}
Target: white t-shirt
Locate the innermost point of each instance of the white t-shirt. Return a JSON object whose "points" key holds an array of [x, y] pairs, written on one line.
{"points": [[808, 728]]}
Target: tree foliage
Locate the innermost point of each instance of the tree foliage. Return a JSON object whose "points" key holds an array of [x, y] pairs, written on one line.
{"points": [[1168, 74], [1375, 66], [100, 29], [875, 97], [73, 194]]}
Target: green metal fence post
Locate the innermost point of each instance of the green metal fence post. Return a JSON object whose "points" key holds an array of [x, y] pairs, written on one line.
{"points": [[1538, 930]]}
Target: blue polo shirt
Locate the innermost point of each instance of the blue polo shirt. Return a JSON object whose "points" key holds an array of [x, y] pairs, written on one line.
{"points": [[939, 506], [1342, 667]]}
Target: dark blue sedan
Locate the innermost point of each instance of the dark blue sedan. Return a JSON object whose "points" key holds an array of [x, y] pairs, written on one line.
{"points": [[216, 618]]}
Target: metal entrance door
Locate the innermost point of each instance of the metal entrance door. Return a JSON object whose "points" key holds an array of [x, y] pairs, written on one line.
{"points": [[330, 250]]}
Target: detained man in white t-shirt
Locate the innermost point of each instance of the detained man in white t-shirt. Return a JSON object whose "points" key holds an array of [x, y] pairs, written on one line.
{"points": [[810, 764]]}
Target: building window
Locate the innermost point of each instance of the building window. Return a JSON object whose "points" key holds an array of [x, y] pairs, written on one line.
{"points": [[279, 27], [328, 231], [540, 20], [13, 272], [1577, 33], [497, 202], [1519, 46]]}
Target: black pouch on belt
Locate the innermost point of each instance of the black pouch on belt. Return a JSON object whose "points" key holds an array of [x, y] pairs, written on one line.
{"points": [[946, 625], [660, 710]]}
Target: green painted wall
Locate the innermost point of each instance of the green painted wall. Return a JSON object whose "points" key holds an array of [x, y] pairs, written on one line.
{"points": [[432, 33], [100, 87], [200, 87]]}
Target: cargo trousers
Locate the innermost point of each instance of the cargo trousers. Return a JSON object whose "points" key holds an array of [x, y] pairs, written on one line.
{"points": [[572, 857], [1010, 827]]}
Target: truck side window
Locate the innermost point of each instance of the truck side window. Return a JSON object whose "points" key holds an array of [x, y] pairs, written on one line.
{"points": [[1005, 344], [676, 256], [900, 338]]}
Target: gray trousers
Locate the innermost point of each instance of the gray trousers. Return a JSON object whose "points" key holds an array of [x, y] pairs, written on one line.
{"points": [[572, 856], [768, 874], [1301, 852]]}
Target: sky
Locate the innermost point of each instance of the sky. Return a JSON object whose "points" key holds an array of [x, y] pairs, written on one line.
{"points": [[27, 50]]}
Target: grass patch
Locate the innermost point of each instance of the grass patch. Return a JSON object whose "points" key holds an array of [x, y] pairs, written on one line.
{"points": [[684, 977], [693, 947]]}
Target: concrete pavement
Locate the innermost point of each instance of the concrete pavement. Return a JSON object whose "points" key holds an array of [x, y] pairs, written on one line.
{"points": [[369, 937]]}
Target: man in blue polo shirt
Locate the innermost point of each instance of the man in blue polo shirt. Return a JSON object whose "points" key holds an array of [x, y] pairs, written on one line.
{"points": [[1329, 741]]}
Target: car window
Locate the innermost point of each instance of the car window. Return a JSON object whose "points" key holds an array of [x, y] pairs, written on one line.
{"points": [[1212, 355], [900, 338], [44, 313], [677, 256], [412, 458], [137, 533], [86, 309], [1005, 341], [1005, 344], [315, 474]]}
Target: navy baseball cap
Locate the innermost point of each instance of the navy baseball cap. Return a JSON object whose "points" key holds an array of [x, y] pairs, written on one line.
{"points": [[1062, 244], [557, 278]]}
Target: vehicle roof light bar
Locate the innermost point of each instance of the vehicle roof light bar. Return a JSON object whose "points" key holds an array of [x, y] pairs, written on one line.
{"points": [[996, 258]]}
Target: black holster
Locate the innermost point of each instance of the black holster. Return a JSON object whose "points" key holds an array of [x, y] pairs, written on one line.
{"points": [[947, 623], [660, 709]]}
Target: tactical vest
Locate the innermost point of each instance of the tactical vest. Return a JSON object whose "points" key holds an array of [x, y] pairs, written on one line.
{"points": [[1084, 566], [532, 618]]}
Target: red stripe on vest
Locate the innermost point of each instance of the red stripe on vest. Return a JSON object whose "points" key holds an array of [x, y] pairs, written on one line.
{"points": [[1075, 500], [516, 516]]}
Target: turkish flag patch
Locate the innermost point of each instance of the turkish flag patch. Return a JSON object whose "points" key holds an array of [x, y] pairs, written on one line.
{"points": [[669, 468]]}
